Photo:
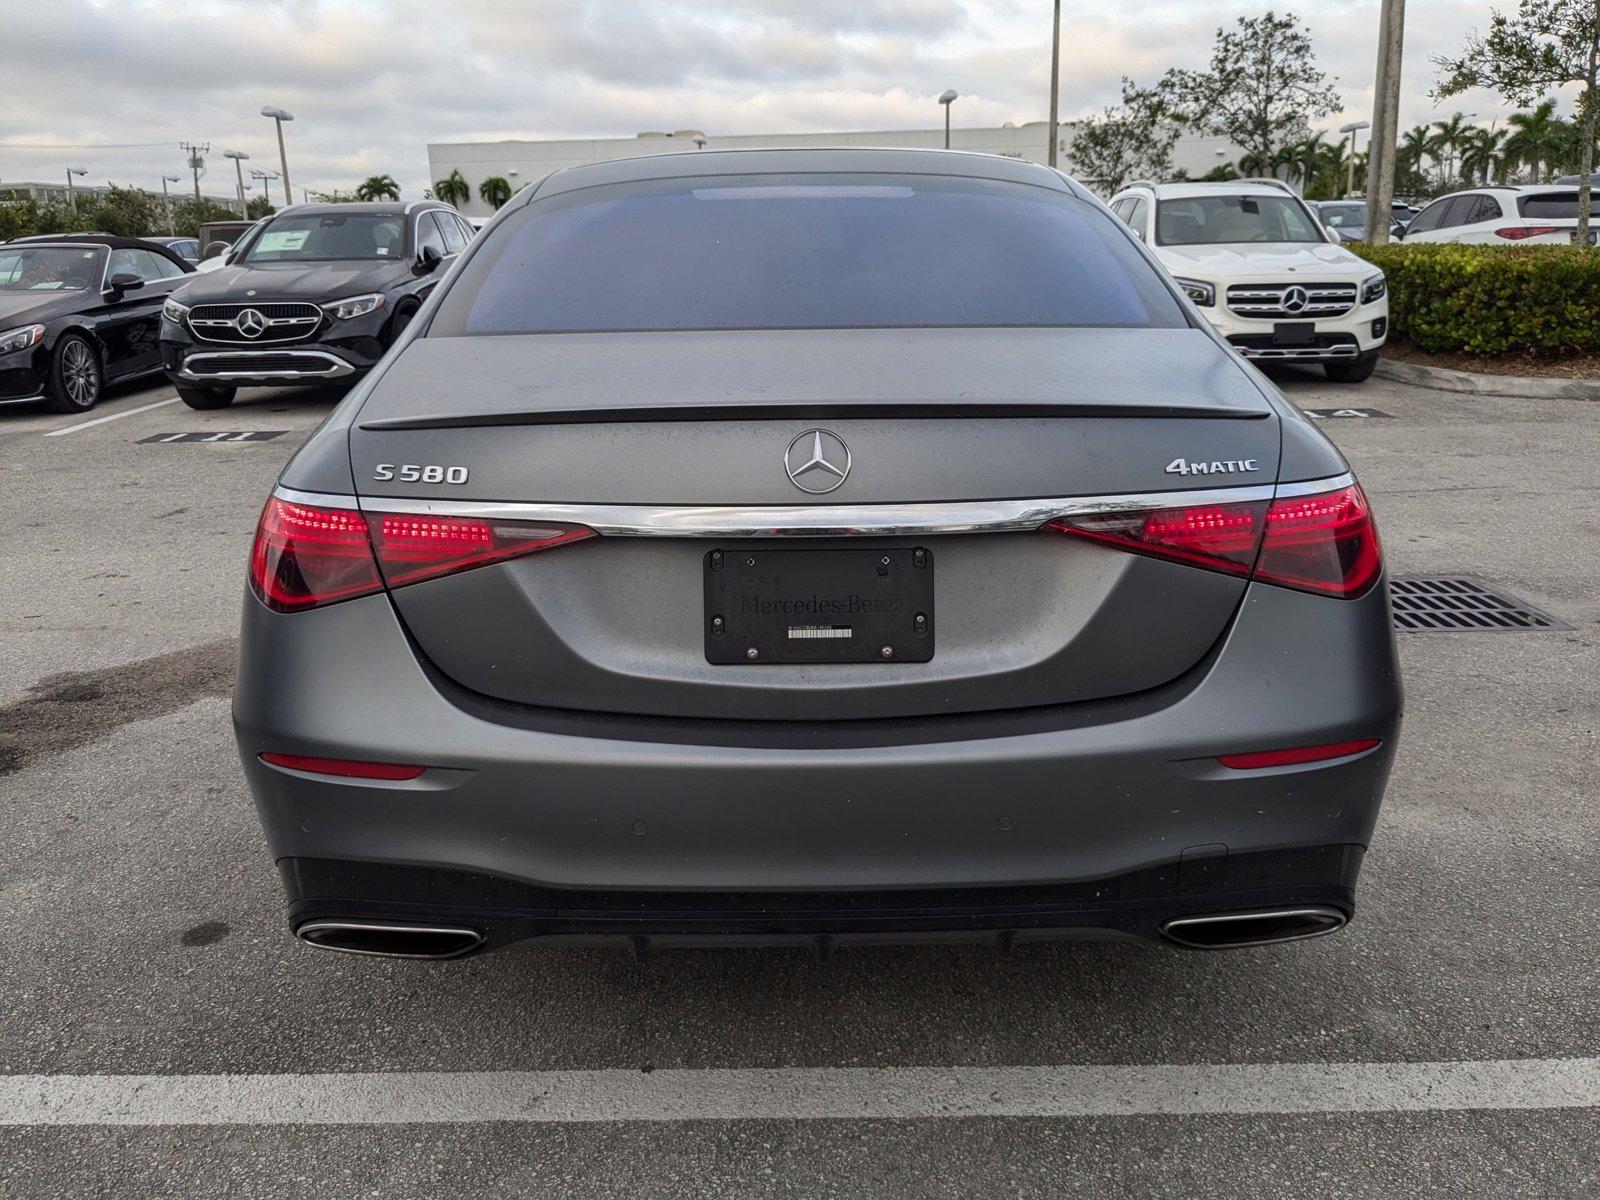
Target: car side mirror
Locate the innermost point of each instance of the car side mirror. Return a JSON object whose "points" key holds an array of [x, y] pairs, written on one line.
{"points": [[428, 261], [216, 248], [124, 281]]}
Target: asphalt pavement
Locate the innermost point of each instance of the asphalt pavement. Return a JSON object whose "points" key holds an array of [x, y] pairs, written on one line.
{"points": [[162, 1035]]}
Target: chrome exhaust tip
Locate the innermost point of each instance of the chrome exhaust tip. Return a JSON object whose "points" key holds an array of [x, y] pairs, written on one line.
{"points": [[390, 939], [1261, 927]]}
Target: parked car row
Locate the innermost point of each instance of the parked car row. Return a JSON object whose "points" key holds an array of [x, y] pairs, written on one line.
{"points": [[311, 293]]}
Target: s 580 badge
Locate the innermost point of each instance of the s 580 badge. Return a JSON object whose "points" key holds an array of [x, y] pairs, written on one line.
{"points": [[419, 473]]}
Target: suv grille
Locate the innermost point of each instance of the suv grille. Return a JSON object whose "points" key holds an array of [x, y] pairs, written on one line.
{"points": [[283, 322], [1295, 301]]}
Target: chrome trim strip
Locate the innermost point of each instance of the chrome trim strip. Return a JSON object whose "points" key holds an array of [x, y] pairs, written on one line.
{"points": [[1311, 487], [316, 499], [1344, 350], [819, 520], [24, 399], [337, 368]]}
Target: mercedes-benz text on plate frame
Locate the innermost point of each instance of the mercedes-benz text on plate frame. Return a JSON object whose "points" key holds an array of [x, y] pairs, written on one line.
{"points": [[1058, 621], [817, 461]]}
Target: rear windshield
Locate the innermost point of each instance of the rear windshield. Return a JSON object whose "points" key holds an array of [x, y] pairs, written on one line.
{"points": [[806, 252], [1558, 205], [328, 237]]}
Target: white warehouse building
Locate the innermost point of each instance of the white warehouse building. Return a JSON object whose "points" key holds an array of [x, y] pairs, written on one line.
{"points": [[521, 163]]}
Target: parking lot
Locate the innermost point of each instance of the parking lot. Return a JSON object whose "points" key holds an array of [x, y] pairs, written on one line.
{"points": [[145, 934]]}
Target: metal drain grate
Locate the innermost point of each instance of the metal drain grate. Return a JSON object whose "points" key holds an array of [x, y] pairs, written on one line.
{"points": [[1462, 606]]}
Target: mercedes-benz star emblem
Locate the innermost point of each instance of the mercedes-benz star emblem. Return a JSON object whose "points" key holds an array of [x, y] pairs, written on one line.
{"points": [[1295, 299], [817, 461], [250, 323]]}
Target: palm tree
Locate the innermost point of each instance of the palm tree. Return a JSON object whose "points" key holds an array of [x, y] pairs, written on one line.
{"points": [[1418, 144], [378, 187], [453, 189], [494, 191], [1450, 137], [1308, 154], [1538, 137], [1481, 157]]}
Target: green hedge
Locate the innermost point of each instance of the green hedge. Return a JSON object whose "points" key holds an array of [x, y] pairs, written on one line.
{"points": [[1492, 299]]}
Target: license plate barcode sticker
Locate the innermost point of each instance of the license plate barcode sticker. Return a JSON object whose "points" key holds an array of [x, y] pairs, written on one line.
{"points": [[820, 631]]}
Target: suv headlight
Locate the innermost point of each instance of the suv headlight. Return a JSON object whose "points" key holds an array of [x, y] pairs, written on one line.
{"points": [[355, 306], [13, 340], [1201, 292], [1374, 287], [173, 311]]}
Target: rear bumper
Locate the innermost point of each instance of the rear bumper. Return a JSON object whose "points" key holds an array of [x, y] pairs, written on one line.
{"points": [[1081, 798]]}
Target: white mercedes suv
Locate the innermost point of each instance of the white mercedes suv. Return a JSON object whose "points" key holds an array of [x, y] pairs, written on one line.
{"points": [[1264, 271]]}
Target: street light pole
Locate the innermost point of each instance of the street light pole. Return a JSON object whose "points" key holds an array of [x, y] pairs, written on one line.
{"points": [[72, 195], [280, 116], [1385, 122], [1350, 172], [166, 197], [947, 98], [239, 157], [1055, 86]]}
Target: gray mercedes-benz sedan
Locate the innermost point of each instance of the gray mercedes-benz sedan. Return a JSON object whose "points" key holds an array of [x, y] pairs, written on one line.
{"points": [[817, 546]]}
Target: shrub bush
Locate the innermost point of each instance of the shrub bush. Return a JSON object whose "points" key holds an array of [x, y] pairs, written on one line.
{"points": [[1492, 299]]}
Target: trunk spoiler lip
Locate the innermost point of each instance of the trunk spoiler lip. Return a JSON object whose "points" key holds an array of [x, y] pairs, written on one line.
{"points": [[820, 411], [816, 520]]}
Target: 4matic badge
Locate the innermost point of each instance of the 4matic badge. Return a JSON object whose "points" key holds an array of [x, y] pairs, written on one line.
{"points": [[1228, 466]]}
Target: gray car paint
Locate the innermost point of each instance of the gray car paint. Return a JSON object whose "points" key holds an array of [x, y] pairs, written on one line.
{"points": [[1058, 791]]}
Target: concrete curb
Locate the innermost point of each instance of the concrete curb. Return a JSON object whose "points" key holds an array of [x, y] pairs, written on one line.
{"points": [[1474, 384]]}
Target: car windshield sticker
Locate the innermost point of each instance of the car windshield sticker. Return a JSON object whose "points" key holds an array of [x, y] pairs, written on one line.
{"points": [[283, 239]]}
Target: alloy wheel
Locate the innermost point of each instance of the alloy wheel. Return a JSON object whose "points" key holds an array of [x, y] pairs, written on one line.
{"points": [[80, 374]]}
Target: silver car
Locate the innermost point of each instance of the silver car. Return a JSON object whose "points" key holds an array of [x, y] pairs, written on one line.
{"points": [[814, 546]]}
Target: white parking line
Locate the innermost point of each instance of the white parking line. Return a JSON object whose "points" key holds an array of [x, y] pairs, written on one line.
{"points": [[113, 417], [894, 1093]]}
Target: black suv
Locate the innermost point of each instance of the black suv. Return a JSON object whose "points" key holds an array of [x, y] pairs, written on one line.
{"points": [[316, 294]]}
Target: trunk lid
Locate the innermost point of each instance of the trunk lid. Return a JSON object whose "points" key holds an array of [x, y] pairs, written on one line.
{"points": [[934, 421]]}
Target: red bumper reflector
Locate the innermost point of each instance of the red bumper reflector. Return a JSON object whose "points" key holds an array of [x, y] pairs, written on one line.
{"points": [[1299, 754], [348, 767]]}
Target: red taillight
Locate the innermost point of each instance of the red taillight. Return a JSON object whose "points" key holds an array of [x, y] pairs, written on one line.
{"points": [[1299, 754], [349, 768], [305, 556], [1221, 537], [1324, 543], [412, 548], [1516, 233]]}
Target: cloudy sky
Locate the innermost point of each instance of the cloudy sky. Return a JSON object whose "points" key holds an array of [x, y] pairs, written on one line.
{"points": [[115, 85]]}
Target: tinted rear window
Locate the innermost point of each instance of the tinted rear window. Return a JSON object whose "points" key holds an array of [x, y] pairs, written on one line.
{"points": [[806, 251], [1557, 205]]}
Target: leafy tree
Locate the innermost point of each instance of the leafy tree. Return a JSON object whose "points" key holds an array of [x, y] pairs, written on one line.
{"points": [[259, 206], [494, 191], [1127, 141], [1547, 44], [1220, 174], [1262, 90], [452, 189], [378, 187]]}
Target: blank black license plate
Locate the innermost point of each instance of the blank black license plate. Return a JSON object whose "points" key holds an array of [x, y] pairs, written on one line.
{"points": [[1294, 333], [819, 606]]}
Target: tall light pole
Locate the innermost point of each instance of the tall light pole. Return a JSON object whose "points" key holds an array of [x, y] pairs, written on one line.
{"points": [[280, 116], [1385, 122], [72, 196], [166, 196], [946, 99], [239, 157], [1055, 86], [1350, 173]]}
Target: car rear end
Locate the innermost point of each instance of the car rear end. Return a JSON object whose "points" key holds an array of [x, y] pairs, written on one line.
{"points": [[658, 608], [1543, 216]]}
